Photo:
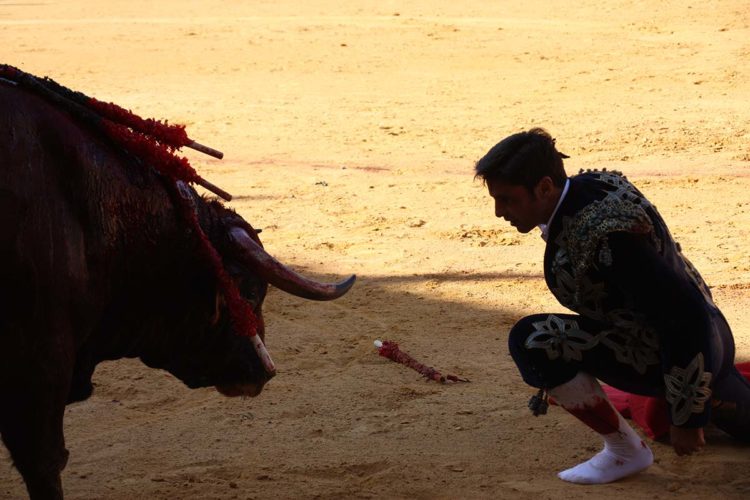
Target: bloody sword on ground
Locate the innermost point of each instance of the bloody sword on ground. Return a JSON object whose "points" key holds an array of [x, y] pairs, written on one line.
{"points": [[390, 350]]}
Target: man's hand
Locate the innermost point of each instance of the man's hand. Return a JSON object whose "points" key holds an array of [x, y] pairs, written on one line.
{"points": [[686, 441]]}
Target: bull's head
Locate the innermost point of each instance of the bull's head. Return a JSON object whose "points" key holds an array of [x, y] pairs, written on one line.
{"points": [[236, 364]]}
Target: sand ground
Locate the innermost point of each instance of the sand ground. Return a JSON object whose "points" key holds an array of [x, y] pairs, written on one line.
{"points": [[350, 134]]}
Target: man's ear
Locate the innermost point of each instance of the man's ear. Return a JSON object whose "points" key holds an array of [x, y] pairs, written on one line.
{"points": [[544, 188]]}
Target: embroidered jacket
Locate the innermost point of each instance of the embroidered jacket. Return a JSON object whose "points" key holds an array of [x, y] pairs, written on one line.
{"points": [[611, 258]]}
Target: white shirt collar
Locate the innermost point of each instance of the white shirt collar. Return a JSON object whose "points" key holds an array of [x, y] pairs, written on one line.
{"points": [[545, 227]]}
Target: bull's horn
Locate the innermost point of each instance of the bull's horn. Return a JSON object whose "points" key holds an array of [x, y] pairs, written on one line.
{"points": [[280, 276], [264, 355]]}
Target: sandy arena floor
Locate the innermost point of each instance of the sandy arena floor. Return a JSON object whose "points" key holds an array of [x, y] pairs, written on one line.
{"points": [[350, 135]]}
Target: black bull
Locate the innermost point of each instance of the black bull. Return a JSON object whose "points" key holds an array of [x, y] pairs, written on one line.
{"points": [[96, 263]]}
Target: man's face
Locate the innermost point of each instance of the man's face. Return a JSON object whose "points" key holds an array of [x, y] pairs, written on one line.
{"points": [[516, 204]]}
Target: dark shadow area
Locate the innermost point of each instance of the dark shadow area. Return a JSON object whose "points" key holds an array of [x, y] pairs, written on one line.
{"points": [[338, 411]]}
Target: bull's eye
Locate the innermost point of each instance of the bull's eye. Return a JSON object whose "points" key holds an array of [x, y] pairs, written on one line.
{"points": [[250, 294], [251, 288]]}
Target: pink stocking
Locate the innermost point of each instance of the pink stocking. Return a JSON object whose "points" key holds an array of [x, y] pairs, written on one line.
{"points": [[624, 452]]}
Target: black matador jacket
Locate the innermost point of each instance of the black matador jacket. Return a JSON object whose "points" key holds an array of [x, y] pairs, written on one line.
{"points": [[611, 258]]}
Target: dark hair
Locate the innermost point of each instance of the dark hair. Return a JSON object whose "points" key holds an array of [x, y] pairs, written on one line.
{"points": [[523, 159]]}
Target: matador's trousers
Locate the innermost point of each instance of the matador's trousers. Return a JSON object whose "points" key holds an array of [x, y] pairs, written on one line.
{"points": [[550, 349]]}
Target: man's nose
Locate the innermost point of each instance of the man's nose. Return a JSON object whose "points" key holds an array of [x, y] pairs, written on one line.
{"points": [[499, 210]]}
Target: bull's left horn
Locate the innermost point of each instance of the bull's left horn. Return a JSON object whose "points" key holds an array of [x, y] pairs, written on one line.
{"points": [[280, 276]]}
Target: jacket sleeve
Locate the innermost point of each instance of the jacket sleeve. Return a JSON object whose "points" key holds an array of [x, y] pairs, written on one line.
{"points": [[661, 289]]}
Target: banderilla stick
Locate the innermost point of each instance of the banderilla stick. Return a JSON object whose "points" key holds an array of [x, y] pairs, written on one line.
{"points": [[205, 149], [390, 350], [214, 189]]}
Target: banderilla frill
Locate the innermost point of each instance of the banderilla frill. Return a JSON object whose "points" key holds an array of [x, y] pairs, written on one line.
{"points": [[390, 350]]}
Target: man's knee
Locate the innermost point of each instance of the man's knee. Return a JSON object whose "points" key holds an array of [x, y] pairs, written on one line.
{"points": [[530, 365], [518, 335]]}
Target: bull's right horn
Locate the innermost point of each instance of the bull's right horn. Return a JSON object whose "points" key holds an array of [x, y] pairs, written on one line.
{"points": [[280, 276]]}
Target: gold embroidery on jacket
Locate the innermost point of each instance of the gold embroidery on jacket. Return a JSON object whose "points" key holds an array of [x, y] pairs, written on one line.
{"points": [[560, 338], [687, 389]]}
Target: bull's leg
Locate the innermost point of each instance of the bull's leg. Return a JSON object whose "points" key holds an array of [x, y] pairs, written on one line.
{"points": [[31, 420], [32, 429]]}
